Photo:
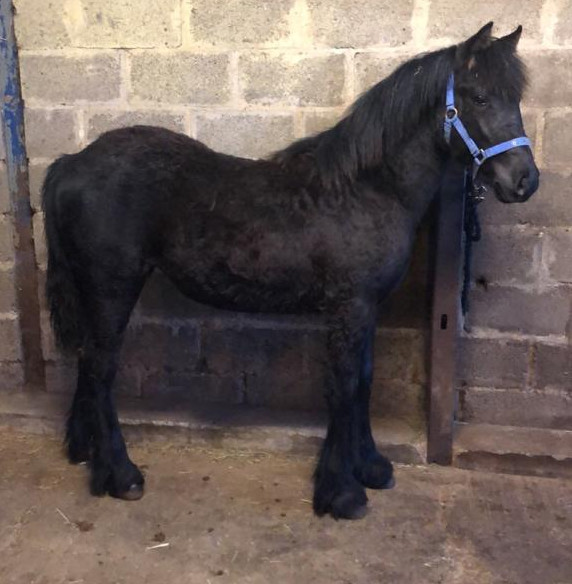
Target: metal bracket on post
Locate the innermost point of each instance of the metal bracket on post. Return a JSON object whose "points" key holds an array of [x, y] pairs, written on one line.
{"points": [[446, 315], [25, 270]]}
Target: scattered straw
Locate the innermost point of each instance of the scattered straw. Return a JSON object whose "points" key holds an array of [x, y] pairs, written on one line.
{"points": [[159, 545]]}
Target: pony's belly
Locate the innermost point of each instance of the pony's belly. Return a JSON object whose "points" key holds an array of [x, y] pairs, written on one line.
{"points": [[230, 292]]}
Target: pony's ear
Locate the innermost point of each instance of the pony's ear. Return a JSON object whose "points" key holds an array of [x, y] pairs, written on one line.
{"points": [[479, 41], [511, 40]]}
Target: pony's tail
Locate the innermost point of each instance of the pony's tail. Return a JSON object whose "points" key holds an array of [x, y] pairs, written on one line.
{"points": [[61, 290]]}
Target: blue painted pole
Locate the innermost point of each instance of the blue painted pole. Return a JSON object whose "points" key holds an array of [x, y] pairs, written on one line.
{"points": [[25, 267]]}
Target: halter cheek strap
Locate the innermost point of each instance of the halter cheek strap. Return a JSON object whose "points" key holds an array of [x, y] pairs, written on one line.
{"points": [[479, 155]]}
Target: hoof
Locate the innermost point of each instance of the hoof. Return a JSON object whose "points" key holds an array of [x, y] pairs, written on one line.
{"points": [[376, 473], [125, 482], [349, 505], [133, 493], [342, 500], [77, 455], [390, 484]]}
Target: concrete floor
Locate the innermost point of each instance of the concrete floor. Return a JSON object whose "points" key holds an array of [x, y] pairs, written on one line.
{"points": [[219, 516]]}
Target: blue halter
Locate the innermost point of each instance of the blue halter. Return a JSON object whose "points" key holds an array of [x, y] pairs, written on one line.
{"points": [[479, 155]]}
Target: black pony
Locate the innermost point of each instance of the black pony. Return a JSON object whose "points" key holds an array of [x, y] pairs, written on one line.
{"points": [[324, 226]]}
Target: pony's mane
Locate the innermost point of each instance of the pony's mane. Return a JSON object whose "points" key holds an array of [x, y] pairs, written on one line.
{"points": [[388, 113]]}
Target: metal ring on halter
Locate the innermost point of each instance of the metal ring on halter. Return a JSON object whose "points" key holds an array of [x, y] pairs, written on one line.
{"points": [[451, 114], [480, 157]]}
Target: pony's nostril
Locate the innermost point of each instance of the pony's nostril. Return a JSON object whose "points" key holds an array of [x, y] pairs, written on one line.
{"points": [[523, 185]]}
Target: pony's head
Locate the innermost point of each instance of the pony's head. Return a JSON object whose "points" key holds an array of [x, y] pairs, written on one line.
{"points": [[489, 83]]}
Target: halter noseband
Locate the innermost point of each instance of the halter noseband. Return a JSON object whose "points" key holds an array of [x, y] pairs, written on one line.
{"points": [[479, 155]]}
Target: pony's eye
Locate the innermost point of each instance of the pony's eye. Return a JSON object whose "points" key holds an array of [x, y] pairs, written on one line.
{"points": [[480, 100]]}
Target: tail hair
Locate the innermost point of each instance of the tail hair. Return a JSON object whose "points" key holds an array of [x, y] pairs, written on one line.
{"points": [[61, 290]]}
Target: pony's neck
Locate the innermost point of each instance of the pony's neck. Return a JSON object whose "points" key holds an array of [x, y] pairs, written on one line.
{"points": [[414, 171]]}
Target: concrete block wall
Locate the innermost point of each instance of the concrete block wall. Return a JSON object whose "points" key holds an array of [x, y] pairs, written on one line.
{"points": [[247, 77]]}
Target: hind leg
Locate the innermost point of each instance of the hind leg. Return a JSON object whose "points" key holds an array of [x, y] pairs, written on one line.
{"points": [[93, 429], [373, 470], [79, 427]]}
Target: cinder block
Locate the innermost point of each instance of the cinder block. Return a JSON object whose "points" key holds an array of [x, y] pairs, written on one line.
{"points": [[371, 68], [37, 173], [194, 387], [283, 368], [493, 362], [399, 400], [11, 375], [6, 239], [550, 75], [40, 239], [400, 356], [247, 349], [408, 307], [60, 377], [159, 346], [316, 122], [61, 80], [300, 79], [294, 373], [512, 309], [284, 389], [49, 349], [98, 24], [248, 135], [553, 367], [7, 291], [10, 349], [529, 123], [506, 255], [550, 206], [558, 140], [50, 132], [558, 251], [240, 23], [462, 19], [516, 408], [104, 121], [360, 23], [41, 25], [563, 28], [183, 78]]}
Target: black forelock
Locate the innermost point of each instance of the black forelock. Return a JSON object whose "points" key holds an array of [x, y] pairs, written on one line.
{"points": [[501, 70]]}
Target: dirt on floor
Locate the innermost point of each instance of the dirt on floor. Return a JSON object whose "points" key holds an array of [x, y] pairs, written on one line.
{"points": [[217, 517]]}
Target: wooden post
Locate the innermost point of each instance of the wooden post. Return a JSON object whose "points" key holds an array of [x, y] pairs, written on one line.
{"points": [[446, 315]]}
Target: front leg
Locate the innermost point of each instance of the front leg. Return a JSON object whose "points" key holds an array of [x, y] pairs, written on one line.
{"points": [[372, 470], [336, 489]]}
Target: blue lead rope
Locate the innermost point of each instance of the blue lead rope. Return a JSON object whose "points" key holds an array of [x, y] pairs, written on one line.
{"points": [[471, 220], [479, 155]]}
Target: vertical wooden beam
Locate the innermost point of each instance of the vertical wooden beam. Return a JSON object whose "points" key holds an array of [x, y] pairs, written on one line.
{"points": [[446, 315], [25, 269]]}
